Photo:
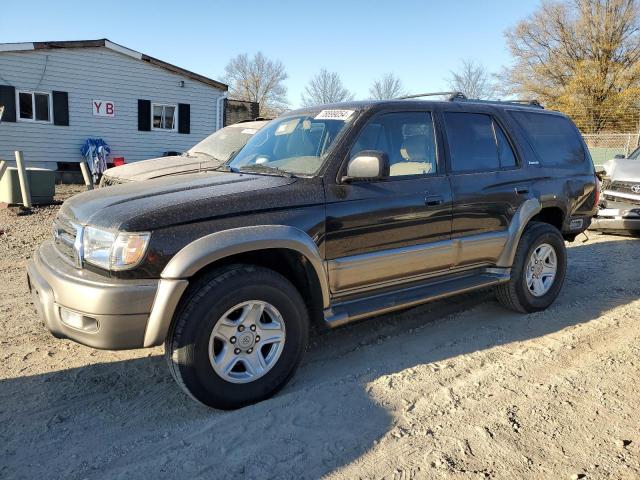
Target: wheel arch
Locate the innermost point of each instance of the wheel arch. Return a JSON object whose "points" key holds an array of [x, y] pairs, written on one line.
{"points": [[525, 213], [287, 250]]}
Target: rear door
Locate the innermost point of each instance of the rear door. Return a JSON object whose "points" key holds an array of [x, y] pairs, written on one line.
{"points": [[487, 181], [396, 228]]}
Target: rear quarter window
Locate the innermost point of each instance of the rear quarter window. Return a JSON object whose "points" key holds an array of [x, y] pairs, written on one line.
{"points": [[554, 138]]}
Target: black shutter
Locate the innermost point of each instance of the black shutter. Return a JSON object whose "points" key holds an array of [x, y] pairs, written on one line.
{"points": [[8, 101], [144, 115], [184, 118], [60, 108]]}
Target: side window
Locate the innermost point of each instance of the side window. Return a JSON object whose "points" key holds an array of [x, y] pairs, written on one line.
{"points": [[554, 138], [477, 143], [507, 158], [406, 137], [472, 144]]}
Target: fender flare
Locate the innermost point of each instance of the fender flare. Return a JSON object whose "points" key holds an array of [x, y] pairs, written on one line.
{"points": [[523, 215], [216, 246]]}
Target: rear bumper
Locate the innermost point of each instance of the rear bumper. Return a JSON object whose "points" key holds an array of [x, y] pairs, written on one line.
{"points": [[119, 309]]}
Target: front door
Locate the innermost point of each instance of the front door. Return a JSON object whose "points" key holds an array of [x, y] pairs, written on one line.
{"points": [[387, 231]]}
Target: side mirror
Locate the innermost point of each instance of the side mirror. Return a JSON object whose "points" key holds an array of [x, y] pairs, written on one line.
{"points": [[619, 156], [367, 165]]}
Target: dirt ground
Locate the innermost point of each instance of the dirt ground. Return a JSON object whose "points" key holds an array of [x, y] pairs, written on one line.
{"points": [[453, 389]]}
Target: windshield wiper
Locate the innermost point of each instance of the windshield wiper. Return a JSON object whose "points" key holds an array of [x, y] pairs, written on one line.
{"points": [[261, 168]]}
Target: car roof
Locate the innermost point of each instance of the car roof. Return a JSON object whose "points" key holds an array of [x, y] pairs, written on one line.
{"points": [[465, 104]]}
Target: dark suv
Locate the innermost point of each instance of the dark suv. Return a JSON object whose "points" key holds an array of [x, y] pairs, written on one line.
{"points": [[328, 215]]}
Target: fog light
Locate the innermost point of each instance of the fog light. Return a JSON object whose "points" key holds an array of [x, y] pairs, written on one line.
{"points": [[78, 321]]}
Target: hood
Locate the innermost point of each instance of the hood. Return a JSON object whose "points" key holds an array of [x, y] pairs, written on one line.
{"points": [[623, 169], [142, 206], [162, 166]]}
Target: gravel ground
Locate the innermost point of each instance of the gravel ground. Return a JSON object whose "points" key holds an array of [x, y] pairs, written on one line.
{"points": [[453, 389]]}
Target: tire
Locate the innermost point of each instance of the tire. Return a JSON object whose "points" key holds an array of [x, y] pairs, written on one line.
{"points": [[190, 347], [516, 294]]}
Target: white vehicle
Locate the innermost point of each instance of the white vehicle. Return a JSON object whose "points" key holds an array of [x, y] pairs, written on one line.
{"points": [[210, 153], [620, 205]]}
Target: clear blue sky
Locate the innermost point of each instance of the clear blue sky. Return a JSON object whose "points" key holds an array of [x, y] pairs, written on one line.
{"points": [[420, 41]]}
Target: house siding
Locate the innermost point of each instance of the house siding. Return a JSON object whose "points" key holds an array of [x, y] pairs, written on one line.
{"points": [[100, 74]]}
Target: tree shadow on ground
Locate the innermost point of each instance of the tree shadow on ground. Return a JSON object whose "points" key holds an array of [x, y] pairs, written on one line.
{"points": [[128, 419]]}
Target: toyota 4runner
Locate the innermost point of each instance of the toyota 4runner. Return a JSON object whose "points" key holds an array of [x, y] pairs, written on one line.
{"points": [[327, 215]]}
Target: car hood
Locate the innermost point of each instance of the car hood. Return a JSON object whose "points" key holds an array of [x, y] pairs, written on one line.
{"points": [[623, 169], [141, 206], [160, 167]]}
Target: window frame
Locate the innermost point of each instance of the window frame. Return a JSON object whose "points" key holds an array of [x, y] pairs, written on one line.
{"points": [[175, 116], [33, 94], [495, 120], [439, 172]]}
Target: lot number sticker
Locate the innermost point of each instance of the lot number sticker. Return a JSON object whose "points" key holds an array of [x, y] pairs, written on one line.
{"points": [[334, 115]]}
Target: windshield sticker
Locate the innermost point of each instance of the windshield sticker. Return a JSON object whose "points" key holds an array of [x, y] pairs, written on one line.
{"points": [[334, 115], [249, 131]]}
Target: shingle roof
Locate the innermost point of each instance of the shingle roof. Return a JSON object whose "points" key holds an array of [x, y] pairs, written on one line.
{"points": [[103, 42]]}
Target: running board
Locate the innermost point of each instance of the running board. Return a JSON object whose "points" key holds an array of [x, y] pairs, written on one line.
{"points": [[351, 310]]}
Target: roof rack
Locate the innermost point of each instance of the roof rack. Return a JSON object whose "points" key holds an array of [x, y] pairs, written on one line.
{"points": [[528, 103], [459, 96], [451, 95], [533, 102]]}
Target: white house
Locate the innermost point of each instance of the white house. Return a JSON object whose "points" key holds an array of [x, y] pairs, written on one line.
{"points": [[58, 94]]}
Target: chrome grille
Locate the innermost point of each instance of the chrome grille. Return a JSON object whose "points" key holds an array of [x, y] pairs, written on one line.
{"points": [[67, 237], [626, 187]]}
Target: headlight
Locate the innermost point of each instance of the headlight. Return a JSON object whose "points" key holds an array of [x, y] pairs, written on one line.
{"points": [[112, 250]]}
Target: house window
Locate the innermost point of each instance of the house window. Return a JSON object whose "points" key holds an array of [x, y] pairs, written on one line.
{"points": [[34, 106], [163, 117]]}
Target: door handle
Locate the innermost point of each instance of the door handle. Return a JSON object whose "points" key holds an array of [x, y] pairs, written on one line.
{"points": [[432, 201], [522, 190]]}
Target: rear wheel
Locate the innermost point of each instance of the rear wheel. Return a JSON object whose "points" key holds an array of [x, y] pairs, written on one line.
{"points": [[538, 270], [238, 337]]}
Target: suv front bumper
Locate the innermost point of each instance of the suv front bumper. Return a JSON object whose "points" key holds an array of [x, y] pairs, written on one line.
{"points": [[619, 218], [117, 310]]}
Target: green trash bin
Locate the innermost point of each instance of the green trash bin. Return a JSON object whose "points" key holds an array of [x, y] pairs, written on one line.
{"points": [[42, 183]]}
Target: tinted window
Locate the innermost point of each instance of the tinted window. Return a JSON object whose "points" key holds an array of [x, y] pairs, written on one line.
{"points": [[472, 143], [507, 158], [407, 138], [554, 138]]}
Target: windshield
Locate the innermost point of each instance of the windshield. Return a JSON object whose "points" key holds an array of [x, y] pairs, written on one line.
{"points": [[223, 143], [635, 154], [293, 145]]}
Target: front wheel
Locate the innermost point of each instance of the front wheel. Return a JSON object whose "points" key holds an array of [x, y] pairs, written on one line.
{"points": [[538, 270], [238, 337]]}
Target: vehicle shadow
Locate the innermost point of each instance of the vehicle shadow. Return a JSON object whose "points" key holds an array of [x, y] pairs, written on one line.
{"points": [[128, 419]]}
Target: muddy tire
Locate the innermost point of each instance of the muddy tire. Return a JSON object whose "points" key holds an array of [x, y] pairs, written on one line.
{"points": [[238, 336], [538, 270]]}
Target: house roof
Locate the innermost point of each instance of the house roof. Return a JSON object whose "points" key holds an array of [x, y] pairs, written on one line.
{"points": [[103, 42]]}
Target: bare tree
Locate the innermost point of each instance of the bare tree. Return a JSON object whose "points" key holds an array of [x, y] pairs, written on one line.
{"points": [[389, 86], [581, 57], [258, 79], [473, 80], [325, 87]]}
